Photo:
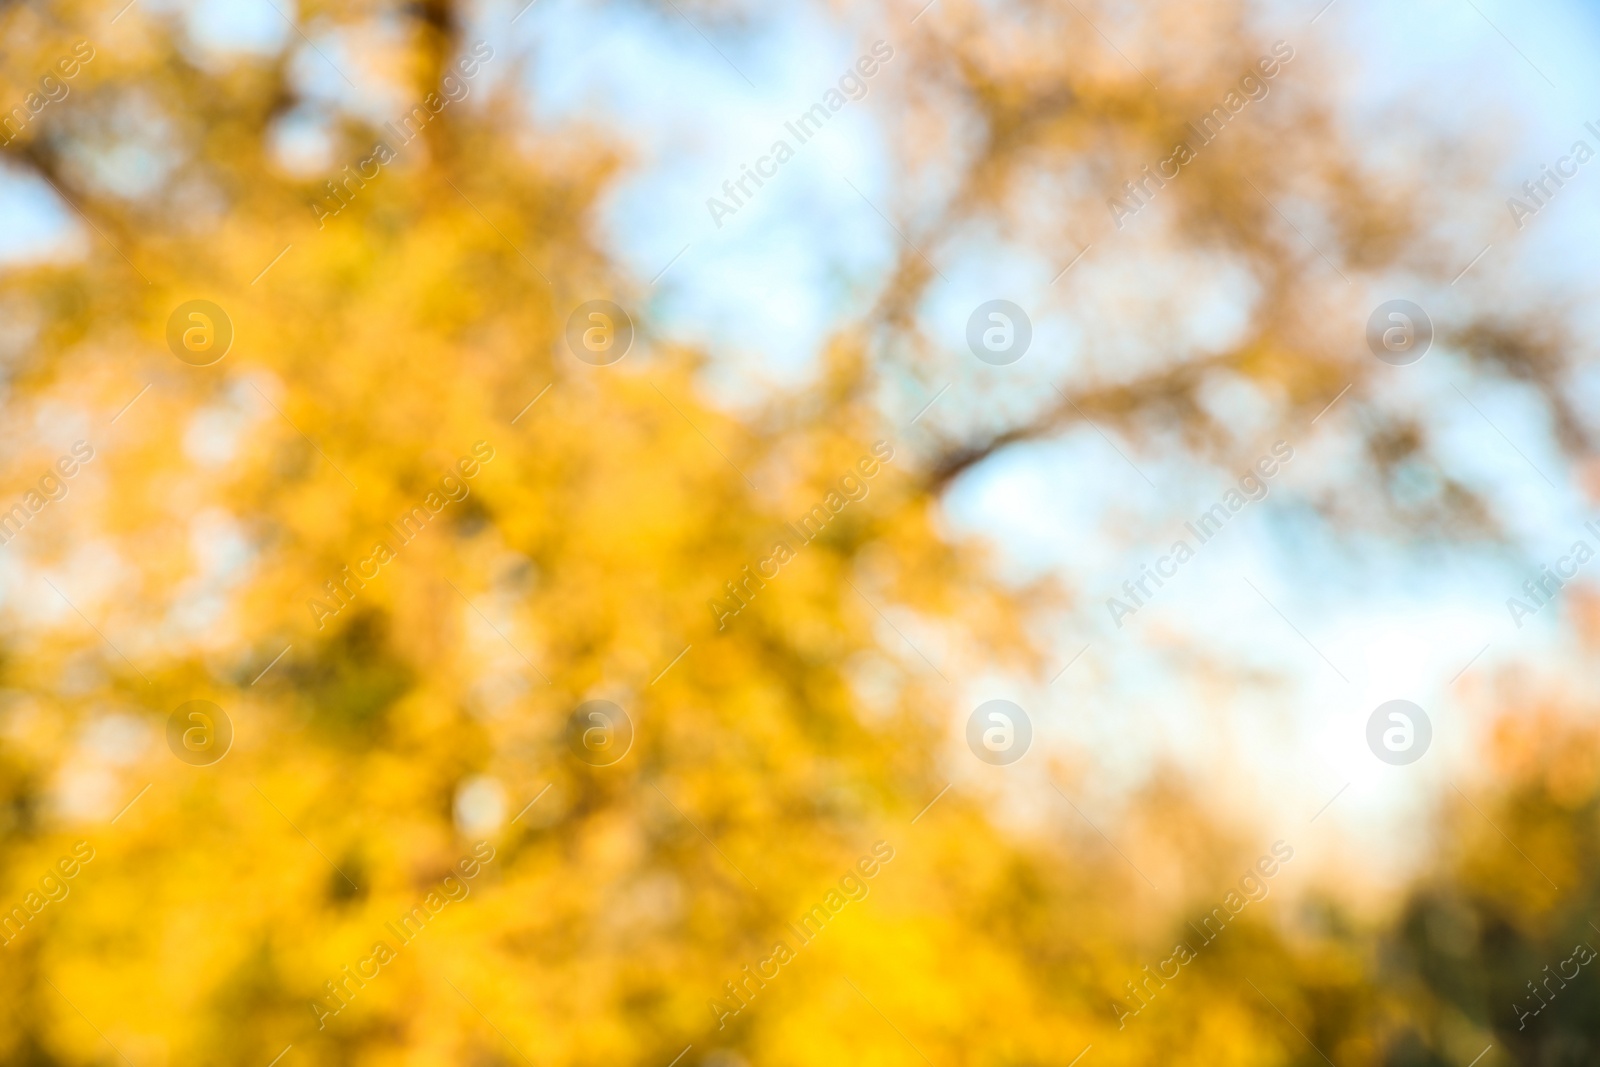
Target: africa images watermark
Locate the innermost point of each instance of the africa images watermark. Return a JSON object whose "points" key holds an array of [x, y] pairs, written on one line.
{"points": [[1252, 888], [809, 528], [342, 589], [411, 126], [1542, 589], [52, 90], [852, 887], [1582, 954], [852, 83], [52, 486], [53, 888], [1139, 192], [342, 990], [1559, 175], [1252, 487]]}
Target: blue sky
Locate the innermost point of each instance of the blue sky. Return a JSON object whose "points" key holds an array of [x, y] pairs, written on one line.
{"points": [[690, 104], [1398, 621]]}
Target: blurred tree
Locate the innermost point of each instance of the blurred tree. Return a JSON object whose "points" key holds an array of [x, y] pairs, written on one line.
{"points": [[373, 350], [1499, 938]]}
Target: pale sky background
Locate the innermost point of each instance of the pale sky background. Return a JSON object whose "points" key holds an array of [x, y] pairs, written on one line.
{"points": [[762, 292]]}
